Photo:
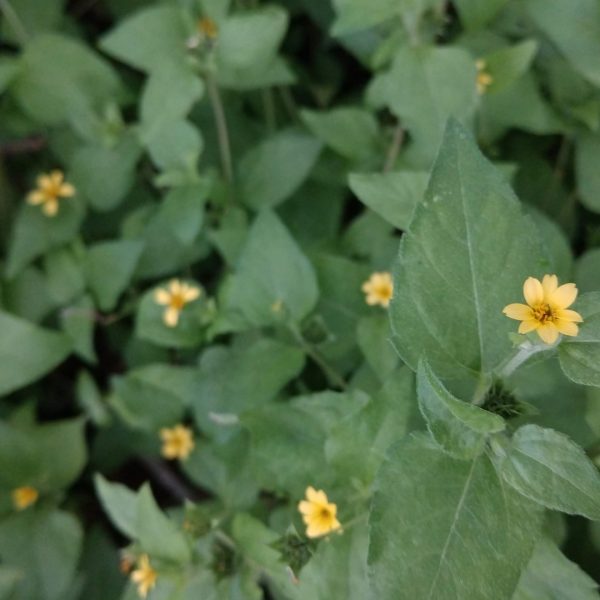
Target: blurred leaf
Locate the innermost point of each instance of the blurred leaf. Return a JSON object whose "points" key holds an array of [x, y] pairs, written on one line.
{"points": [[176, 146], [508, 64], [588, 178], [27, 352], [78, 321], [475, 14], [587, 271], [120, 503], [373, 335]]}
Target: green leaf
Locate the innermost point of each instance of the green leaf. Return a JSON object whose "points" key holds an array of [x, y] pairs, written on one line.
{"points": [[549, 468], [551, 576], [574, 27], [586, 161], [587, 271], [431, 523], [392, 196], [109, 267], [580, 356], [461, 429], [467, 252], [246, 53], [27, 352], [61, 80], [78, 321], [218, 393], [373, 336], [45, 545], [508, 64], [351, 132], [148, 37], [274, 169], [176, 146], [63, 274], [272, 273], [105, 175], [354, 15], [34, 233], [119, 503], [475, 14], [442, 85], [35, 18], [157, 534]]}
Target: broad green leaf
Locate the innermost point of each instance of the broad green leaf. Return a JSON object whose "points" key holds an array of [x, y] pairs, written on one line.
{"points": [[148, 37], [274, 169], [104, 175], [580, 356], [170, 92], [46, 546], [78, 321], [351, 132], [549, 468], [373, 336], [109, 267], [466, 255], [34, 233], [63, 274], [461, 429], [587, 271], [551, 576], [442, 85], [354, 15], [393, 196], [432, 523], [9, 68], [246, 54], [475, 14], [156, 533], [9, 578], [176, 146], [27, 352], [588, 178], [273, 278], [61, 80], [574, 27], [90, 400], [35, 18], [119, 503], [218, 393], [508, 64]]}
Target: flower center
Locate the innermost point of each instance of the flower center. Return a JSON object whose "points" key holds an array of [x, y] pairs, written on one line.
{"points": [[544, 313], [325, 513], [177, 301], [384, 291]]}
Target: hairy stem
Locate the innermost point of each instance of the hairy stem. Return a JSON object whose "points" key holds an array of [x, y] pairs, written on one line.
{"points": [[221, 123], [394, 149]]}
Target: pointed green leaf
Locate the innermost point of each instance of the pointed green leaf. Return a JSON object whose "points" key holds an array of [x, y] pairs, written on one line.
{"points": [[467, 252], [439, 527], [461, 429], [120, 504]]}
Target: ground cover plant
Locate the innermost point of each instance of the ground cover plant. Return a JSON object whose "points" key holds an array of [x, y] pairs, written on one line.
{"points": [[300, 299]]}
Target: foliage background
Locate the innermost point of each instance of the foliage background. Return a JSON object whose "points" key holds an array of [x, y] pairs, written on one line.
{"points": [[277, 166]]}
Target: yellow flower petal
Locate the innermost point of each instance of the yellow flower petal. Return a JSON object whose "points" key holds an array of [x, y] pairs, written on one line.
{"points": [[175, 287], [162, 297], [50, 207], [305, 507], [317, 496], [171, 317], [548, 333], [549, 283], [520, 312], [36, 197], [564, 296], [566, 327], [529, 325], [66, 190], [569, 315], [533, 291], [191, 293]]}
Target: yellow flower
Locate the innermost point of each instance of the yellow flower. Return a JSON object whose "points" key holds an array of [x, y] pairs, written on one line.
{"points": [[208, 28], [546, 309], [379, 289], [175, 297], [50, 189], [178, 442], [484, 79], [23, 497], [318, 514], [144, 576]]}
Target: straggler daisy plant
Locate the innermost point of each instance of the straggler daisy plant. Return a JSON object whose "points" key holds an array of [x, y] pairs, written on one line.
{"points": [[178, 442], [484, 79], [175, 297], [24, 496], [51, 187], [318, 514], [144, 576], [547, 309], [378, 289]]}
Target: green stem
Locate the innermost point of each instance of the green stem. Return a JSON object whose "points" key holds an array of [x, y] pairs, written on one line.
{"points": [[394, 149], [14, 21], [269, 108], [523, 354], [221, 123]]}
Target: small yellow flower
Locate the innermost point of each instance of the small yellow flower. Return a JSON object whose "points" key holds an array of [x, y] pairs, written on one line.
{"points": [[175, 297], [51, 187], [23, 497], [379, 289], [178, 442], [546, 309], [208, 28], [318, 514], [484, 79], [144, 576]]}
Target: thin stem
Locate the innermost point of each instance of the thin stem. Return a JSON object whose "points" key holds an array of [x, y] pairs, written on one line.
{"points": [[481, 390], [10, 14], [330, 371], [394, 149], [269, 108], [524, 353], [221, 123], [168, 479], [289, 103]]}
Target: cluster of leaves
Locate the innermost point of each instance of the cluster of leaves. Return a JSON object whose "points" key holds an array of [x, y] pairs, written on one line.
{"points": [[275, 155]]}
